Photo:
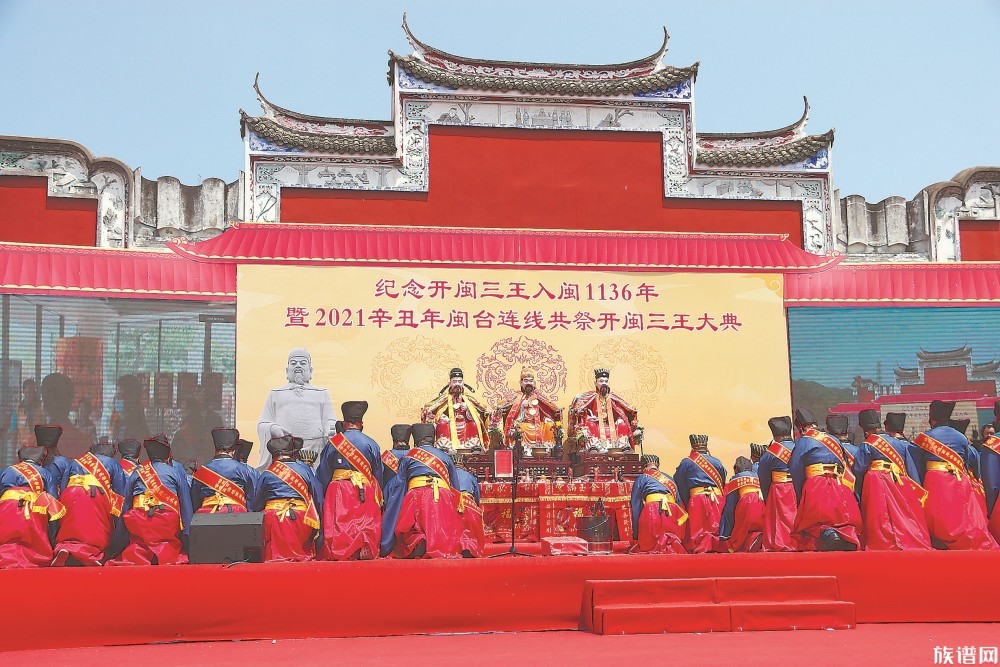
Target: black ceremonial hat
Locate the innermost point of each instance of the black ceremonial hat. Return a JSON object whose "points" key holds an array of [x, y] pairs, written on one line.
{"points": [[47, 436], [103, 448], [940, 411], [423, 434], [869, 419], [354, 411], [242, 449], [400, 432], [960, 425], [895, 421], [804, 417], [281, 445], [697, 440], [129, 448], [780, 426], [29, 453], [225, 438], [157, 447], [456, 373], [837, 424]]}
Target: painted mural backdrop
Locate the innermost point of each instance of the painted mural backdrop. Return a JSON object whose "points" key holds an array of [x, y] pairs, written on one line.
{"points": [[695, 353], [896, 360]]}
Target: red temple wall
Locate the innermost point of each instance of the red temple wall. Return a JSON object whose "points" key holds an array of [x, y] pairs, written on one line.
{"points": [[949, 379], [29, 215], [543, 179], [980, 240]]}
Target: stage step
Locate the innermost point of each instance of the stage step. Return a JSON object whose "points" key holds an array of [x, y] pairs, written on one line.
{"points": [[720, 604]]}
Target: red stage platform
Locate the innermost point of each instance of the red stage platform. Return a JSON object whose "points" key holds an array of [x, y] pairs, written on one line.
{"points": [[138, 605]]}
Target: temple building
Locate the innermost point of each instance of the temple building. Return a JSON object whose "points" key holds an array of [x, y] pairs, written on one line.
{"points": [[481, 163]]}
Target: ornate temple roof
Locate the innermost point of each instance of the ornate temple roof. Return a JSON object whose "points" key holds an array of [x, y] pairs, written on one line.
{"points": [[941, 355], [766, 155], [319, 133], [645, 75], [350, 144], [763, 137]]}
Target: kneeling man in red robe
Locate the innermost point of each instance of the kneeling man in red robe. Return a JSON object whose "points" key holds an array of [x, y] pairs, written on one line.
{"points": [[700, 479], [473, 528], [290, 495], [892, 502], [741, 527], [658, 522], [421, 518], [776, 487], [828, 517], [160, 516], [28, 510], [94, 499], [223, 484]]}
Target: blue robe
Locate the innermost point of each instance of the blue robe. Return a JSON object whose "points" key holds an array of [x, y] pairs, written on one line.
{"points": [[946, 435], [119, 480], [409, 468], [388, 473], [175, 480], [728, 520], [770, 463], [989, 466], [466, 482], [236, 472], [331, 459], [642, 487], [270, 487], [11, 478], [58, 467], [867, 453], [689, 475], [808, 451]]}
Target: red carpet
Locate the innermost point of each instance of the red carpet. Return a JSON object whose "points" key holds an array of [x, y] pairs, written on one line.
{"points": [[135, 605], [867, 645]]}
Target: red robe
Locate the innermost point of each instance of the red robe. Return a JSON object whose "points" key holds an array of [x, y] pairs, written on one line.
{"points": [[352, 528], [704, 513], [748, 526], [954, 514], [288, 539], [893, 516], [826, 503], [24, 537], [86, 530], [661, 531], [153, 540], [473, 531], [437, 522], [779, 517]]}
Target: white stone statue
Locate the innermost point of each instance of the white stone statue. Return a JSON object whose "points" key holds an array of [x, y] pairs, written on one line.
{"points": [[298, 409]]}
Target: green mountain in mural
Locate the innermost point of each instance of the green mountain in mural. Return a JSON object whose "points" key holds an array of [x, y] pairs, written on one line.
{"points": [[818, 397]]}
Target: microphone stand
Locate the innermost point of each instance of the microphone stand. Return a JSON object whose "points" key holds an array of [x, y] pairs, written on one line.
{"points": [[518, 451]]}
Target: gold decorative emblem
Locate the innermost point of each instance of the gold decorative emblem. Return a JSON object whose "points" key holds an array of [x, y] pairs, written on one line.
{"points": [[508, 354], [408, 371], [638, 373]]}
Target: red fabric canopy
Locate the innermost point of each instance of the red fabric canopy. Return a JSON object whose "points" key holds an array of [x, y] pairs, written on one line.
{"points": [[285, 243], [964, 283], [67, 270]]}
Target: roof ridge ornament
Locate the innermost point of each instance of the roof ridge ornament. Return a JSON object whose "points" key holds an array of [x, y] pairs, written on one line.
{"points": [[422, 50]]}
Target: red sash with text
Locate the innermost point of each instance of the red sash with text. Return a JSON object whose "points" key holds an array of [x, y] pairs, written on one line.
{"points": [[156, 487], [992, 443], [390, 461], [93, 465], [950, 456], [780, 452], [887, 450], [665, 481], [837, 450], [432, 462], [354, 456], [745, 482], [707, 468], [128, 466], [221, 485], [44, 502], [294, 480]]}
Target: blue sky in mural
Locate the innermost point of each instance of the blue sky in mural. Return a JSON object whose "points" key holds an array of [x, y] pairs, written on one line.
{"points": [[832, 345]]}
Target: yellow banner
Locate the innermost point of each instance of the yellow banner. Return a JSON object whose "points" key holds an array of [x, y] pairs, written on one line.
{"points": [[693, 352]]}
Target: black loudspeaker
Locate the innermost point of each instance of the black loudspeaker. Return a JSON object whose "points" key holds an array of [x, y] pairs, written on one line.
{"points": [[227, 537]]}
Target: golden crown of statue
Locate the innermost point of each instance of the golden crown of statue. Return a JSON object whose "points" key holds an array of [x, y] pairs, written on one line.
{"points": [[601, 372]]}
